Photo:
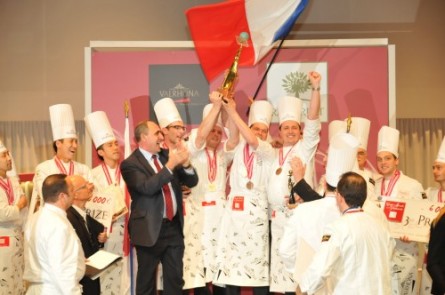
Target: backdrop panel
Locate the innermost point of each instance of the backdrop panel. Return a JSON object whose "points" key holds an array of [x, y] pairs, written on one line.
{"points": [[357, 83]]}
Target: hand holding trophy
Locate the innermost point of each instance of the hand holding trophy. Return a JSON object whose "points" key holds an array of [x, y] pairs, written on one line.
{"points": [[228, 86]]}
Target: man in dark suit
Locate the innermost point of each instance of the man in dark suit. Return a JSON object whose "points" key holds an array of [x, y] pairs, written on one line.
{"points": [[90, 231], [154, 177]]}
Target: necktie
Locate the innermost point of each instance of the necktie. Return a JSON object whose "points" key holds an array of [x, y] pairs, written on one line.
{"points": [[167, 193]]}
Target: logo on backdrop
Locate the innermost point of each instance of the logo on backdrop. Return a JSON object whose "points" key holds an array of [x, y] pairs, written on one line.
{"points": [[185, 84]]}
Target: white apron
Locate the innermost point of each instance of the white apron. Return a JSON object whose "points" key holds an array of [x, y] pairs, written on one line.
{"points": [[110, 281], [244, 240], [11, 241], [202, 217]]}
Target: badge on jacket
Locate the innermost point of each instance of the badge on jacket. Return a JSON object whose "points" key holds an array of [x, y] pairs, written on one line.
{"points": [[325, 238]]}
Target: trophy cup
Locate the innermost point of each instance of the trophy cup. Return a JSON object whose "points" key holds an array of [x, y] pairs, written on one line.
{"points": [[290, 185], [228, 84]]}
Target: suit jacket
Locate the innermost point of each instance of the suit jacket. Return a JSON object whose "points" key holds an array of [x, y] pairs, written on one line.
{"points": [[304, 190], [90, 244], [145, 188]]}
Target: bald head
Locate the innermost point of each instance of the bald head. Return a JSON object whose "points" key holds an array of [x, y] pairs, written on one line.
{"points": [[82, 190]]}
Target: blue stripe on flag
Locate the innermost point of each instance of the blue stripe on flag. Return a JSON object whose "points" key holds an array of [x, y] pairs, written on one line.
{"points": [[284, 30]]}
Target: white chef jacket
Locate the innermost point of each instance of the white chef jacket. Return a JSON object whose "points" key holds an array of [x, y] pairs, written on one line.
{"points": [[304, 149], [54, 259], [47, 168], [432, 193], [357, 258], [406, 254], [308, 223], [281, 280], [405, 188]]}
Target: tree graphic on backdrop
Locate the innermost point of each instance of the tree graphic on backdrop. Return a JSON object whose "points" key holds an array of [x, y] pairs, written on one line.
{"points": [[296, 83]]}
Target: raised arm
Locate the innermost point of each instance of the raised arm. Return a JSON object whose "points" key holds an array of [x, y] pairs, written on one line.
{"points": [[314, 105], [209, 121], [242, 127]]}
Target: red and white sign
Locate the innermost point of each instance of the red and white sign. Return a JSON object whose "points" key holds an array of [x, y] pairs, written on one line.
{"points": [[411, 218]]}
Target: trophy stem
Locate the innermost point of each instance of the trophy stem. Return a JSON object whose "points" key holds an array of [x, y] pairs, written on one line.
{"points": [[228, 84]]}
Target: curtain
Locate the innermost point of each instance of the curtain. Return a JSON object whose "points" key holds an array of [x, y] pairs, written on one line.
{"points": [[420, 140], [30, 142]]}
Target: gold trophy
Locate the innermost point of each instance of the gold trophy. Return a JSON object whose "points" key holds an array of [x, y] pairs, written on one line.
{"points": [[228, 85]]}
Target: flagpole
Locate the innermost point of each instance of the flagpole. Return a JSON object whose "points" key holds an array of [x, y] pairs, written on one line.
{"points": [[265, 73]]}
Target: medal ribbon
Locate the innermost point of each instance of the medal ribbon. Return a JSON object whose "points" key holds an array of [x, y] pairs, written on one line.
{"points": [[62, 169], [391, 184], [117, 174], [281, 159], [211, 168], [7, 187], [439, 195], [248, 161]]}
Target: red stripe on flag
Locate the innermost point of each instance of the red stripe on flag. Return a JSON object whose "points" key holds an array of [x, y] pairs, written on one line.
{"points": [[214, 29]]}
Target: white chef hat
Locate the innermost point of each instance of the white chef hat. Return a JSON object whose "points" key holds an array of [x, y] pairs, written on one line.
{"points": [[62, 121], [336, 127], [360, 129], [342, 156], [260, 112], [166, 112], [388, 140], [2, 147], [441, 153], [99, 128], [289, 109]]}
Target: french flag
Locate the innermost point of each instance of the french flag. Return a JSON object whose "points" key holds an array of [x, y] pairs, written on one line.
{"points": [[214, 29]]}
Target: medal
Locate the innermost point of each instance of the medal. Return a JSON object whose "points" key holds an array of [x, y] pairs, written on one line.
{"points": [[247, 170], [61, 167], [211, 168], [281, 159], [117, 175], [391, 184], [212, 187]]}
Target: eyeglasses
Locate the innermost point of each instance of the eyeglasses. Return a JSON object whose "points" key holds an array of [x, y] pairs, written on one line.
{"points": [[177, 127], [85, 185]]}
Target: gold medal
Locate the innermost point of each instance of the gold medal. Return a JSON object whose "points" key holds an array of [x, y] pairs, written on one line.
{"points": [[249, 185], [212, 187], [278, 172]]}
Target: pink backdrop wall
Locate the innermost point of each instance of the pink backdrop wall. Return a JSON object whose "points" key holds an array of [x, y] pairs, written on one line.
{"points": [[357, 83]]}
